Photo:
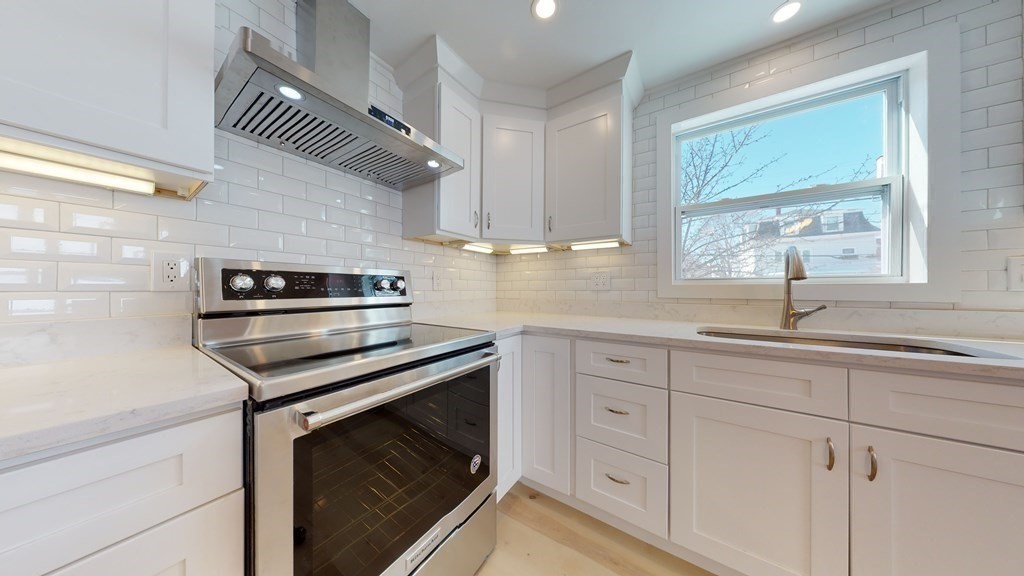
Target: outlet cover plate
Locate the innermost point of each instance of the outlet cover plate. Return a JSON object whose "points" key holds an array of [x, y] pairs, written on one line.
{"points": [[600, 280], [170, 272]]}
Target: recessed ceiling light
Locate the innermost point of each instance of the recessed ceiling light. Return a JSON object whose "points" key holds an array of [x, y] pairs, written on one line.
{"points": [[289, 92], [433, 163], [786, 11], [543, 9]]}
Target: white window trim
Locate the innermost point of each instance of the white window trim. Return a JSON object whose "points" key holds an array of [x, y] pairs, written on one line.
{"points": [[930, 56]]}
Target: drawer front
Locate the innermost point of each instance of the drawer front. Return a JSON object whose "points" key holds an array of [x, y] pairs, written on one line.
{"points": [[978, 412], [630, 487], [819, 390], [626, 416], [57, 511], [638, 364], [208, 541]]}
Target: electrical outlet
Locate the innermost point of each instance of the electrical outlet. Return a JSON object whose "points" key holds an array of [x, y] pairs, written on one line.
{"points": [[171, 272], [600, 280], [1015, 273], [437, 284]]}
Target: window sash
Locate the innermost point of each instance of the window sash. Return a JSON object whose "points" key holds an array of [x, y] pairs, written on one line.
{"points": [[892, 218]]}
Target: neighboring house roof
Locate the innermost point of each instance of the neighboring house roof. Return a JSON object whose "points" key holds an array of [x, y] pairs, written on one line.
{"points": [[853, 222]]}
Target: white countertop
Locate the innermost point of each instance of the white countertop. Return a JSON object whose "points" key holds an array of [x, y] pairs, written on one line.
{"points": [[49, 405], [684, 335]]}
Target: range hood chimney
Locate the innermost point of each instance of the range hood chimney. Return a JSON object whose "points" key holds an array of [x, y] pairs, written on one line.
{"points": [[316, 108]]}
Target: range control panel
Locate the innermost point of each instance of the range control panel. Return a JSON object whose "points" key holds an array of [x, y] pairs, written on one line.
{"points": [[239, 284]]}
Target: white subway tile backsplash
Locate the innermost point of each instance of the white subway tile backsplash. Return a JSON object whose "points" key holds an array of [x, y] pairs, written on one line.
{"points": [[266, 256], [253, 198], [282, 184], [125, 304], [343, 217], [304, 209], [80, 277], [305, 245], [274, 222], [53, 190], [235, 173], [361, 205], [250, 155], [29, 213], [342, 183], [18, 244], [52, 306], [325, 230], [22, 276], [129, 202], [223, 252], [325, 196], [104, 222], [256, 239], [343, 249], [359, 236], [227, 214], [140, 252], [301, 171], [187, 231]]}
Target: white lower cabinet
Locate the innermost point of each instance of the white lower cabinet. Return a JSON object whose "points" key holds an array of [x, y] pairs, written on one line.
{"points": [[60, 510], [510, 413], [751, 487], [208, 541], [934, 507], [628, 486], [547, 412]]}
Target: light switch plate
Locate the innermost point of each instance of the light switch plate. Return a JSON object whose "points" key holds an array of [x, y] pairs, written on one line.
{"points": [[1015, 273]]}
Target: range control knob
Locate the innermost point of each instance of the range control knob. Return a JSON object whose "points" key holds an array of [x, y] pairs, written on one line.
{"points": [[274, 283], [241, 283], [383, 284], [399, 284]]}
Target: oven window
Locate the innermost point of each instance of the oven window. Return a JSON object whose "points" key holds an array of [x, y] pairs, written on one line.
{"points": [[369, 487]]}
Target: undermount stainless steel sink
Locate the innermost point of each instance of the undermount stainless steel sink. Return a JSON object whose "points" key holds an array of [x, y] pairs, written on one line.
{"points": [[864, 342]]}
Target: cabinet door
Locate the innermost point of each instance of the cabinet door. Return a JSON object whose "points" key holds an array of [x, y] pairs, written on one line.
{"points": [[751, 487], [134, 77], [205, 542], [513, 183], [459, 193], [584, 174], [547, 431], [510, 413], [935, 507]]}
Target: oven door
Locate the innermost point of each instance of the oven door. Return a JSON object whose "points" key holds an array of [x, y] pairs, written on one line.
{"points": [[370, 479]]}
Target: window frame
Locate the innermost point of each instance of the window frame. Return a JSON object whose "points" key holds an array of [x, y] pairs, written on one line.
{"points": [[931, 183]]}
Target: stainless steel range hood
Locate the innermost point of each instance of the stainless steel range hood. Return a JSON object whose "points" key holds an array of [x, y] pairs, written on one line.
{"points": [[328, 123]]}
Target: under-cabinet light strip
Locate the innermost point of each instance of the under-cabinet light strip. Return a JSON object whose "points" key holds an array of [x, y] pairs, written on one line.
{"points": [[58, 171]]}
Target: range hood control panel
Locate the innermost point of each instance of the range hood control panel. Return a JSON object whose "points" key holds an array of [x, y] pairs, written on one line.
{"points": [[289, 285]]}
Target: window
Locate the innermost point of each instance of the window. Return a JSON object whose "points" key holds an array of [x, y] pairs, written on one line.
{"points": [[896, 170], [818, 174]]}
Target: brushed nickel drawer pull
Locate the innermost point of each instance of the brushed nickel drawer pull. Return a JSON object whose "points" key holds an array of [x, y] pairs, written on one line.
{"points": [[616, 480], [616, 360], [874, 464], [614, 411], [831, 454]]}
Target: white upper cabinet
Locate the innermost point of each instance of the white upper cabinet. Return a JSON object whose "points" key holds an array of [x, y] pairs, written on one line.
{"points": [[459, 193], [123, 80], [513, 179]]}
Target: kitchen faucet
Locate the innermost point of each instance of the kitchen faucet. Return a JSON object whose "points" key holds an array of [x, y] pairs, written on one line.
{"points": [[794, 271]]}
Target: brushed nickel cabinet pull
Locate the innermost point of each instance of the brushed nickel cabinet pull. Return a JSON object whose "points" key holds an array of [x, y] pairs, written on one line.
{"points": [[488, 220], [831, 454], [476, 218], [874, 464], [614, 411], [616, 480], [549, 223], [616, 360]]}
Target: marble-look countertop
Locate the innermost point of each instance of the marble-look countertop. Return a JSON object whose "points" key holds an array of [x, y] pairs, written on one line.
{"points": [[685, 335], [48, 405]]}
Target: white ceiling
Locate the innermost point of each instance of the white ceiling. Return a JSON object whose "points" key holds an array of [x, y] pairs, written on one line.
{"points": [[670, 38]]}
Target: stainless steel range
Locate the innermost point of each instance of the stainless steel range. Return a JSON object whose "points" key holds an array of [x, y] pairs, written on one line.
{"points": [[369, 438]]}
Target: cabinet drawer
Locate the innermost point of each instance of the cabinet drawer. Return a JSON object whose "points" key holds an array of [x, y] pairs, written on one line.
{"points": [[623, 362], [630, 487], [629, 417], [205, 542], [57, 511], [820, 390], [979, 412]]}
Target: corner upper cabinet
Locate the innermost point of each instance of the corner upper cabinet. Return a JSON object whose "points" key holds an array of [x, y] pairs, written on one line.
{"points": [[513, 179], [449, 208], [120, 79], [589, 180]]}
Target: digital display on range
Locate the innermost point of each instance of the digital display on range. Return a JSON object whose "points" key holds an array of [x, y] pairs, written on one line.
{"points": [[283, 285]]}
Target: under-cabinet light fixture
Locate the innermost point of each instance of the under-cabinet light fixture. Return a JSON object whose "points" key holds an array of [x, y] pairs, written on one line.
{"points": [[543, 9], [595, 245], [528, 250], [478, 248], [786, 11], [68, 173]]}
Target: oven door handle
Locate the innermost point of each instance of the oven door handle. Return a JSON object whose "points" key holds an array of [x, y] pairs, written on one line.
{"points": [[310, 421]]}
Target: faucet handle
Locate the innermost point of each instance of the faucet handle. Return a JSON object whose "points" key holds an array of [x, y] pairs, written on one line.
{"points": [[808, 311]]}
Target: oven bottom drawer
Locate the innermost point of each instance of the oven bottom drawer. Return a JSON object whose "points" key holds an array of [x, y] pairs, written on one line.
{"points": [[465, 550]]}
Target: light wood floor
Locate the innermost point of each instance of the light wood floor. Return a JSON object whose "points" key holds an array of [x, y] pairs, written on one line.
{"points": [[538, 536]]}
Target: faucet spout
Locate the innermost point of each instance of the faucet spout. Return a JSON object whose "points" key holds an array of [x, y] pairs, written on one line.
{"points": [[794, 270]]}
